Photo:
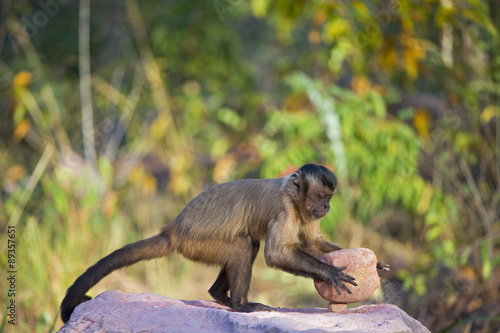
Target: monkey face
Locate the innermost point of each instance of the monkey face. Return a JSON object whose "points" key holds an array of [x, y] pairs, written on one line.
{"points": [[313, 190], [318, 203]]}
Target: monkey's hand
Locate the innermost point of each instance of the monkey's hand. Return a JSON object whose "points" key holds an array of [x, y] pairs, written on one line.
{"points": [[337, 278], [383, 265]]}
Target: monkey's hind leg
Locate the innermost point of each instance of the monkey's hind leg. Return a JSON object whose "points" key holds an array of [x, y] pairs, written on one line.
{"points": [[220, 288], [239, 273]]}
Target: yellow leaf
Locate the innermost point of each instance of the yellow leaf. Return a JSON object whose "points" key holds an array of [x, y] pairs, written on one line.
{"points": [[489, 113], [259, 7], [191, 87], [388, 57], [425, 199], [159, 127], [468, 273], [284, 31], [334, 29], [361, 85], [474, 305], [314, 37], [219, 148], [411, 64], [22, 79], [149, 185], [136, 175], [109, 203], [320, 17], [297, 102], [362, 9], [16, 172], [413, 52], [463, 141], [179, 182], [224, 168], [21, 129], [422, 122]]}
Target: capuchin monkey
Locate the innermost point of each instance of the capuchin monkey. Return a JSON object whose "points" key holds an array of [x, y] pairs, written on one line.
{"points": [[224, 225]]}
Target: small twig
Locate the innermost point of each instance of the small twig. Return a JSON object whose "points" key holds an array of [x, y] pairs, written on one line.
{"points": [[476, 195], [108, 91], [174, 135], [46, 90], [497, 152], [85, 83], [34, 110], [484, 217], [30, 185], [127, 111], [477, 241]]}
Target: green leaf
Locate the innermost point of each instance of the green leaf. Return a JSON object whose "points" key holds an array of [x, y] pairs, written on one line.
{"points": [[106, 171], [259, 7], [487, 264], [231, 118], [378, 104]]}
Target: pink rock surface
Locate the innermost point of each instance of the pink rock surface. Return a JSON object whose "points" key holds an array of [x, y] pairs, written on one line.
{"points": [[116, 311], [362, 265]]}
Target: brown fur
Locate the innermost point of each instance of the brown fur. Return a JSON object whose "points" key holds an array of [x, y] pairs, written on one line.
{"points": [[223, 226]]}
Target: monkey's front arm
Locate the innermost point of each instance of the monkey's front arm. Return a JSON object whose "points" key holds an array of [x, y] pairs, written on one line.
{"points": [[283, 251]]}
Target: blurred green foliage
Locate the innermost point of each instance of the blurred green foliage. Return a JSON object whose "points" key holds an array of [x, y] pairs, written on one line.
{"points": [[399, 98]]}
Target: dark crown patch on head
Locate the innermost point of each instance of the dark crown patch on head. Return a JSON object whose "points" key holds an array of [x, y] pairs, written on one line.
{"points": [[326, 177]]}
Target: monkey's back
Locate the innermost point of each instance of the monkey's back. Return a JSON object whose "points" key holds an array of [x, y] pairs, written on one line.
{"points": [[241, 207]]}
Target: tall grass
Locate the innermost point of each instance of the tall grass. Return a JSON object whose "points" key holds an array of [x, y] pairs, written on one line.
{"points": [[70, 212]]}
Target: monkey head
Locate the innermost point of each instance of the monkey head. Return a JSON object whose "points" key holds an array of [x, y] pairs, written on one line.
{"points": [[313, 188]]}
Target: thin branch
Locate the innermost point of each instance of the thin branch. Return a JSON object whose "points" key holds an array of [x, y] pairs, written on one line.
{"points": [[61, 137], [85, 84], [127, 112], [175, 136], [30, 185], [476, 195]]}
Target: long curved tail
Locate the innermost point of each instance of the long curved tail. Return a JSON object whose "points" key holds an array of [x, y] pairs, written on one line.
{"points": [[151, 248]]}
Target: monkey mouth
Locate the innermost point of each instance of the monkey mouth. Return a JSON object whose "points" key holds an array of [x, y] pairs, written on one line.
{"points": [[319, 214]]}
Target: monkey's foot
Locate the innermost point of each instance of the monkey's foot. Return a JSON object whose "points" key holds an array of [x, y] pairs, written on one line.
{"points": [[252, 307], [223, 300], [262, 307]]}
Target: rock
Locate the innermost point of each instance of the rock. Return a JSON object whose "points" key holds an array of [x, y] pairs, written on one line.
{"points": [[116, 311], [337, 307], [362, 265]]}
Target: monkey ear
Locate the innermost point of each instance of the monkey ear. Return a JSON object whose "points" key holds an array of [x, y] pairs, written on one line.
{"points": [[294, 178]]}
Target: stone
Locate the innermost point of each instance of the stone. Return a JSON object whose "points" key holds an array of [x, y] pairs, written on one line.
{"points": [[337, 307], [116, 311], [362, 265]]}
